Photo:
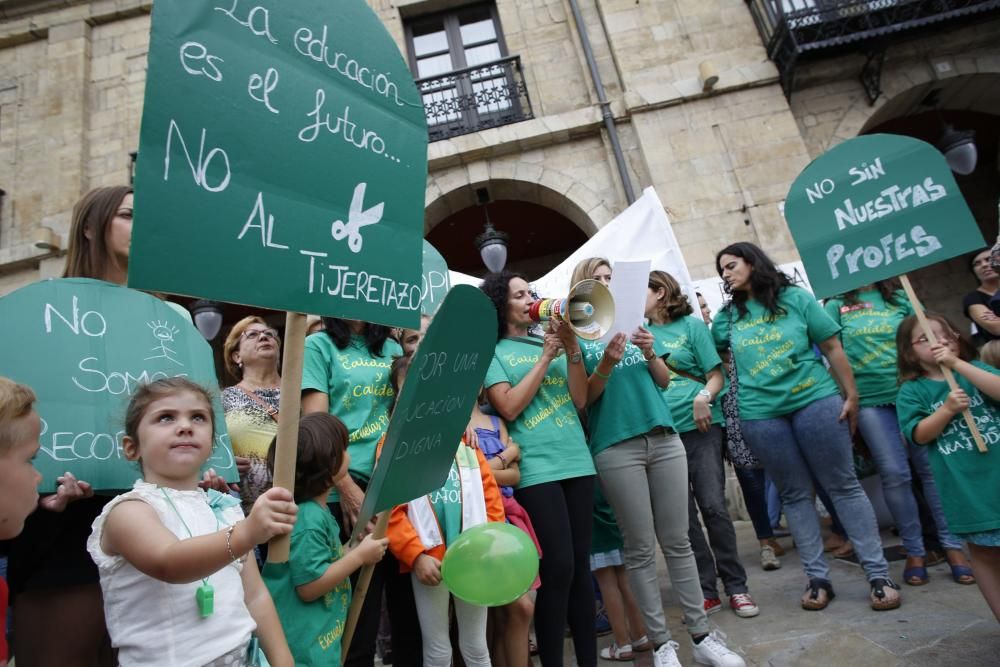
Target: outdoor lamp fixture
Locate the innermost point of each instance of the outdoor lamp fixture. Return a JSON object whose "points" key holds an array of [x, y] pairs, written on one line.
{"points": [[492, 245], [207, 317], [959, 148]]}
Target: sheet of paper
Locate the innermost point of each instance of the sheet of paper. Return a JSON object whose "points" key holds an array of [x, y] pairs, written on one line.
{"points": [[629, 282]]}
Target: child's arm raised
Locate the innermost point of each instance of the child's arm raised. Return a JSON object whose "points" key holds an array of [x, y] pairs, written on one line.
{"points": [[261, 608], [986, 382], [370, 551], [933, 425], [133, 530]]}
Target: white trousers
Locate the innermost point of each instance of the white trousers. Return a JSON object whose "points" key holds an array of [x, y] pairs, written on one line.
{"points": [[432, 610]]}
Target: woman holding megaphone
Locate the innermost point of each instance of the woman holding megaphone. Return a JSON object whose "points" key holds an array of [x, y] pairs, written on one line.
{"points": [[537, 390], [642, 467]]}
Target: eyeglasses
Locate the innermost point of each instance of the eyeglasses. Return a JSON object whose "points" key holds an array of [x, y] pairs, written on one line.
{"points": [[254, 334]]}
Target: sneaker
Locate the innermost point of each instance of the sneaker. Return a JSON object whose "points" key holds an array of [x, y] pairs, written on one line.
{"points": [[712, 651], [743, 605], [666, 655], [768, 558], [712, 605]]}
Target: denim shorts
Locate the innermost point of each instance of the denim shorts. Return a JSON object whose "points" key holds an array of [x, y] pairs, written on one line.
{"points": [[986, 538]]}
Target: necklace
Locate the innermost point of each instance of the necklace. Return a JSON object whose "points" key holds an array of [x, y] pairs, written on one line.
{"points": [[205, 595]]}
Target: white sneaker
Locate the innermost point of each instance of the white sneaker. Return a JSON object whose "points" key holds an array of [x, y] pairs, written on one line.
{"points": [[712, 651], [666, 655], [768, 559]]}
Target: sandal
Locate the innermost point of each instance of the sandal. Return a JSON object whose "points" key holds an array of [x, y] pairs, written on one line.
{"points": [[642, 644], [819, 592], [962, 574], [916, 575], [881, 601], [616, 652]]}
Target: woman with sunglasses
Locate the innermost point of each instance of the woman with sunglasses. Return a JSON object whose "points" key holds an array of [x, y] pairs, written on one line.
{"points": [[251, 353]]}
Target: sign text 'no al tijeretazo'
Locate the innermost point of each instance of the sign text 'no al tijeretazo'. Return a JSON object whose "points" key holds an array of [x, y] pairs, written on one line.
{"points": [[84, 346], [282, 160], [875, 207]]}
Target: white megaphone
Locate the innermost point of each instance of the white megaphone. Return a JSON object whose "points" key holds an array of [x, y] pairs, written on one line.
{"points": [[589, 309]]}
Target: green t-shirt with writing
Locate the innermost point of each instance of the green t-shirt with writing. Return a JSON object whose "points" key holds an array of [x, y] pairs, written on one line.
{"points": [[359, 390], [777, 368], [968, 482], [548, 430], [447, 501], [689, 344], [868, 333], [313, 629], [631, 403]]}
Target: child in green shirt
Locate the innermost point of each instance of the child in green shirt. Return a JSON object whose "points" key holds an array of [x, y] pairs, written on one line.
{"points": [[312, 592], [931, 414]]}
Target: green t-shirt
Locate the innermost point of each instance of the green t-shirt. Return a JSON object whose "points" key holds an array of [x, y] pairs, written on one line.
{"points": [[868, 333], [359, 389], [313, 629], [447, 501], [968, 482], [631, 403], [777, 368], [548, 431], [606, 535], [691, 349]]}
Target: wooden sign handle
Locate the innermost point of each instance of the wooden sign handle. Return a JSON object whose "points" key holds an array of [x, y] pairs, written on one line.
{"points": [[361, 590], [289, 407], [949, 377]]}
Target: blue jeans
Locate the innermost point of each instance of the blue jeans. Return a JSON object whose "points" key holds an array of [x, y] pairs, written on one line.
{"points": [[879, 427], [812, 439], [773, 499], [922, 466]]}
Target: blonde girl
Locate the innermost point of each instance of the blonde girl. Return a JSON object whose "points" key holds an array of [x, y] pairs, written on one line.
{"points": [[178, 588], [930, 414]]}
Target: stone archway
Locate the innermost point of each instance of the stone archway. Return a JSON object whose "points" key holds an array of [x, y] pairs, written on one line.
{"points": [[547, 214]]}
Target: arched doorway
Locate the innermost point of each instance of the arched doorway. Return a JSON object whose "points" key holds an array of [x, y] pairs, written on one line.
{"points": [[544, 226], [968, 102]]}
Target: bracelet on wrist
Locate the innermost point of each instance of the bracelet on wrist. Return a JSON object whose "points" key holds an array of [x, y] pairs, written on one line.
{"points": [[229, 545], [502, 460], [603, 376]]}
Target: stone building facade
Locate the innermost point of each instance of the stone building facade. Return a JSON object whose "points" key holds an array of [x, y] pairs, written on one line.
{"points": [[721, 159]]}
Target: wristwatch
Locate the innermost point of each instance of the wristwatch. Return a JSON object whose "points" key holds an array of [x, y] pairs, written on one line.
{"points": [[576, 357], [707, 394]]}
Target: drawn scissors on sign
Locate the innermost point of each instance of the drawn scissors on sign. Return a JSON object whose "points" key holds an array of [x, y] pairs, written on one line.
{"points": [[357, 218]]}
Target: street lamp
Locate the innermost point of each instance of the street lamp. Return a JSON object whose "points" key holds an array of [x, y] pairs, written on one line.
{"points": [[207, 317], [492, 244], [959, 148]]}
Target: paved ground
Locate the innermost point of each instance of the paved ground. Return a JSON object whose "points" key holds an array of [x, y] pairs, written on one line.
{"points": [[939, 624]]}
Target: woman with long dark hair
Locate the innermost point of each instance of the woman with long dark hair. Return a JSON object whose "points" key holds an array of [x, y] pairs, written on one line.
{"points": [[537, 390], [346, 373], [53, 580], [794, 417]]}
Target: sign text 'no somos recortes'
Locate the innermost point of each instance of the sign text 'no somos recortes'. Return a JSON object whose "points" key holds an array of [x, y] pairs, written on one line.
{"points": [[875, 207], [282, 160], [84, 347]]}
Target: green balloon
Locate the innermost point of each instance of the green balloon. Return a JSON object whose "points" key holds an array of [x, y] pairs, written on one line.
{"points": [[490, 565]]}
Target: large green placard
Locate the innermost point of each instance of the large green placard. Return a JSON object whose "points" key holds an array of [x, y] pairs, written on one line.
{"points": [[84, 346], [875, 207], [436, 403], [282, 160]]}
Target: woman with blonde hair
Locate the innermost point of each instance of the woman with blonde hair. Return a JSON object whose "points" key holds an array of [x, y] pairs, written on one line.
{"points": [[696, 380], [251, 354]]}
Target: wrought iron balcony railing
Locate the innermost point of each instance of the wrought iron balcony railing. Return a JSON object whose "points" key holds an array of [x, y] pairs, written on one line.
{"points": [[475, 98], [796, 29]]}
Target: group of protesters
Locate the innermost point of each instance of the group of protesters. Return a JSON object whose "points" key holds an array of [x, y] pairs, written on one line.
{"points": [[599, 451]]}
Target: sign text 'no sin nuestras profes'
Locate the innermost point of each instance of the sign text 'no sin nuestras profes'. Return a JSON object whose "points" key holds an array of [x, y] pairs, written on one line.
{"points": [[282, 160], [875, 207]]}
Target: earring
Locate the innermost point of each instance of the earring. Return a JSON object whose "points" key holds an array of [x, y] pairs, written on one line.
{"points": [[239, 364]]}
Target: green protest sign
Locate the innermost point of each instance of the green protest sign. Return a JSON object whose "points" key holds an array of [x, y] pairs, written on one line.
{"points": [[282, 160], [436, 402], [875, 207], [436, 281], [84, 346]]}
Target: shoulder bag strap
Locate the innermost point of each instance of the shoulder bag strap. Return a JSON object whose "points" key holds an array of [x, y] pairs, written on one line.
{"points": [[271, 411]]}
